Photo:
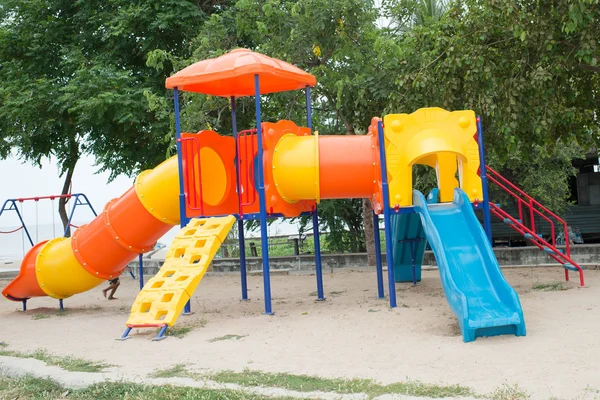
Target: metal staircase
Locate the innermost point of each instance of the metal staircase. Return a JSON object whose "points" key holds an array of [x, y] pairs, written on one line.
{"points": [[528, 230]]}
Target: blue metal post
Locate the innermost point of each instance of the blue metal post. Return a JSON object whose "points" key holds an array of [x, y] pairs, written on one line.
{"points": [[243, 273], [161, 334], [24, 305], [386, 217], [379, 263], [315, 215], [141, 271], [243, 278], [317, 242], [182, 215], [308, 109], [67, 228], [264, 238], [60, 304], [487, 222], [87, 203], [23, 224], [412, 260], [124, 336]]}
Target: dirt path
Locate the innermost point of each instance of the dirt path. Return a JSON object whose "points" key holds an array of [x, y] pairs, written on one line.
{"points": [[352, 334]]}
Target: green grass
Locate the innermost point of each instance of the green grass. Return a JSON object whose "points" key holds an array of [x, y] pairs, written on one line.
{"points": [[549, 287], [68, 363], [181, 331], [305, 383], [40, 316], [46, 389], [227, 337], [507, 392], [176, 371]]}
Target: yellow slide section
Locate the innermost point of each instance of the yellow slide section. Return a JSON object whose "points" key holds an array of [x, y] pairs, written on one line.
{"points": [[162, 299]]}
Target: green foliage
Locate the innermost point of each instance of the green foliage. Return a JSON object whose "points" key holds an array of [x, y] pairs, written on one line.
{"points": [[533, 83], [76, 79]]}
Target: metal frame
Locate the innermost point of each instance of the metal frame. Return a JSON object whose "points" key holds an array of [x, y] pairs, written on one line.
{"points": [[487, 222], [262, 216], [387, 212], [11, 205], [378, 263]]}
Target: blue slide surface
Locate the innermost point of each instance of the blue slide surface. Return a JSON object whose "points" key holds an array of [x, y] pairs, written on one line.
{"points": [[484, 303]]}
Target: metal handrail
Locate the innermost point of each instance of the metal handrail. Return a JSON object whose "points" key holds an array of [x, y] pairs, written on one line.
{"points": [[539, 242], [246, 195], [495, 177], [192, 177]]}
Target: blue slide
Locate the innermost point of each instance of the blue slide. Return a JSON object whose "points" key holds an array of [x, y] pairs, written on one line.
{"points": [[478, 294]]}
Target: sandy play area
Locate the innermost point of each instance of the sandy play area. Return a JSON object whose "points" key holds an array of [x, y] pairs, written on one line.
{"points": [[351, 334]]}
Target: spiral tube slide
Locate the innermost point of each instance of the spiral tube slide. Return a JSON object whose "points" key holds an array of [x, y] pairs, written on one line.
{"points": [[99, 251]]}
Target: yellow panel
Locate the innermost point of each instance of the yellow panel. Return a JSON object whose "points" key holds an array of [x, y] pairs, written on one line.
{"points": [[159, 307], [441, 139], [158, 191], [296, 167], [58, 272], [163, 297]]}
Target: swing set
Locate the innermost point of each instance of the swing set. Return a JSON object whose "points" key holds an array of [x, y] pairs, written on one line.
{"points": [[16, 205]]}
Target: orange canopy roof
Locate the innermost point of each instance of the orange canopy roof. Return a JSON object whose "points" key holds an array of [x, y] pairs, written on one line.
{"points": [[232, 74]]}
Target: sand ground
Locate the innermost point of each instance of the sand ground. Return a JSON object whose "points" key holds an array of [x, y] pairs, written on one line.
{"points": [[351, 334]]}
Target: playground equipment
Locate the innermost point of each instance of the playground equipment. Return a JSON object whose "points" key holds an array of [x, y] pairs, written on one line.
{"points": [[79, 199], [280, 169]]}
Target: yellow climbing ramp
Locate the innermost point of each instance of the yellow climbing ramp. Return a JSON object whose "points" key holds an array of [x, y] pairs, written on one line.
{"points": [[163, 297]]}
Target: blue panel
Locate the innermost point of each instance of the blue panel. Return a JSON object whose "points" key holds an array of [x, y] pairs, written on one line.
{"points": [[406, 230], [478, 294]]}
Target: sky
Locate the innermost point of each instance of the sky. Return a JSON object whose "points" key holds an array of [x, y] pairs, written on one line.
{"points": [[26, 180]]}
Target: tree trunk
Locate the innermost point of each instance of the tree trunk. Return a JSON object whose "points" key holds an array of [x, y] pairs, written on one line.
{"points": [[369, 231], [62, 202]]}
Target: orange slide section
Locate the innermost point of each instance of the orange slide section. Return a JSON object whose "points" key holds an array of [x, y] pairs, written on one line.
{"points": [[102, 249], [308, 167]]}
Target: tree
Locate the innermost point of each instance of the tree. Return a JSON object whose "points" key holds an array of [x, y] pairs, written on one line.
{"points": [[336, 41], [529, 68], [75, 80]]}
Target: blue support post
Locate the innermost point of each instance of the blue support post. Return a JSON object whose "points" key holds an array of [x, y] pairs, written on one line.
{"points": [[378, 263], [264, 239], [24, 305], [125, 334], [308, 109], [317, 242], [315, 215], [161, 334], [20, 219], [243, 274], [87, 203], [61, 305], [68, 227], [487, 221], [141, 271], [182, 216], [386, 217], [412, 260], [243, 277]]}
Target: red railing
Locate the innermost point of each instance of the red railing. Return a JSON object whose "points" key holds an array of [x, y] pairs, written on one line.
{"points": [[192, 173], [531, 203], [535, 208], [245, 154], [55, 196]]}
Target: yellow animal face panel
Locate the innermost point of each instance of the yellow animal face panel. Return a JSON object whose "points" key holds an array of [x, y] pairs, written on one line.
{"points": [[441, 139]]}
